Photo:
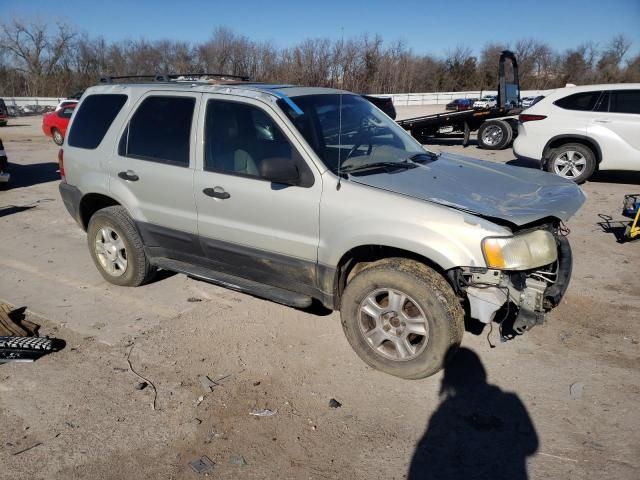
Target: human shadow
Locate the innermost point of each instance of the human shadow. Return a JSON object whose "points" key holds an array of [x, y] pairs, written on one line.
{"points": [[478, 431]]}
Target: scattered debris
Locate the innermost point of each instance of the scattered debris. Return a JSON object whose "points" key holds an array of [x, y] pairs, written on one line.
{"points": [[14, 324], [155, 391], [200, 399], [237, 460], [333, 403], [207, 383], [558, 457], [575, 390], [141, 385], [194, 299], [197, 421], [262, 412], [255, 384], [202, 464], [28, 448]]}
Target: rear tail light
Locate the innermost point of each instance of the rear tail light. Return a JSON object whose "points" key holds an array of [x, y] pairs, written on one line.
{"points": [[525, 117], [61, 165]]}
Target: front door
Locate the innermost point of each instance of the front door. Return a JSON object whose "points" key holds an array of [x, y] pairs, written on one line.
{"points": [[249, 226]]}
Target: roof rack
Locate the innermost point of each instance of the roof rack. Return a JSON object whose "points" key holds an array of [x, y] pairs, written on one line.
{"points": [[177, 77]]}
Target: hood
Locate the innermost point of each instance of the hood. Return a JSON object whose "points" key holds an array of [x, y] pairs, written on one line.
{"points": [[515, 194]]}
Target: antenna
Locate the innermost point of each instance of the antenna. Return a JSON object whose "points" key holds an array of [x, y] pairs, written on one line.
{"points": [[339, 142]]}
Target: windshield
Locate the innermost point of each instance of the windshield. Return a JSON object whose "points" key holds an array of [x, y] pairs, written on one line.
{"points": [[361, 136]]}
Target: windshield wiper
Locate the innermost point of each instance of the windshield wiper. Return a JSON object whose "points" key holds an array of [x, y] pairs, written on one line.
{"points": [[376, 166]]}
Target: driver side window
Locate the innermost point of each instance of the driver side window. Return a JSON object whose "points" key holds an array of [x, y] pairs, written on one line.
{"points": [[239, 137]]}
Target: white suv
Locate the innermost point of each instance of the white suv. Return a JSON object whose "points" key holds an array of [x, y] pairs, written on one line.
{"points": [[488, 101], [575, 131]]}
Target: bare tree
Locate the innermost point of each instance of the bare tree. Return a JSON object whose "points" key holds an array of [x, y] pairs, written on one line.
{"points": [[36, 48]]}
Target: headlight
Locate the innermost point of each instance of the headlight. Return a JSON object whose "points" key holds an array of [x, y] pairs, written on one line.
{"points": [[520, 252]]}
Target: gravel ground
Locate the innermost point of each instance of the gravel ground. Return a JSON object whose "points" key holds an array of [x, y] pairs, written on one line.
{"points": [[559, 402]]}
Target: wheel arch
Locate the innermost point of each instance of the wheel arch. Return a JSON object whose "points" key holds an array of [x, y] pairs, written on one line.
{"points": [[91, 203], [560, 140], [356, 258]]}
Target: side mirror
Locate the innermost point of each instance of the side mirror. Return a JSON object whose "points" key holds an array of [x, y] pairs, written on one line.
{"points": [[279, 170]]}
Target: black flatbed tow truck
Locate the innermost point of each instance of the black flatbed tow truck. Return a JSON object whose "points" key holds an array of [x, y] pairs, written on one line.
{"points": [[497, 126]]}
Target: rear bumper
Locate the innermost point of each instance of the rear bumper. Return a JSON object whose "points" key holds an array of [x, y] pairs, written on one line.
{"points": [[71, 197]]}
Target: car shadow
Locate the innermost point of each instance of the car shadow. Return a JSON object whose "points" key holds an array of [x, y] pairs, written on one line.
{"points": [[609, 176], [450, 140], [523, 162], [33, 174], [616, 176], [478, 430]]}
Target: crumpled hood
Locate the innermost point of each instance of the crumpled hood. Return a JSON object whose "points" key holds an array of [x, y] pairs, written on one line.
{"points": [[515, 194]]}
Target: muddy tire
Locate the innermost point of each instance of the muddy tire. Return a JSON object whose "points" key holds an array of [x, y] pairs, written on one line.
{"points": [[495, 135], [117, 249], [402, 317]]}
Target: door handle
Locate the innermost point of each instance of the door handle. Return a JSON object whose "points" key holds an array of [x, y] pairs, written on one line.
{"points": [[129, 175], [216, 192], [602, 121]]}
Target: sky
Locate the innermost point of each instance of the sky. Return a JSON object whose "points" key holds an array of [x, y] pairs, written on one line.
{"points": [[425, 26]]}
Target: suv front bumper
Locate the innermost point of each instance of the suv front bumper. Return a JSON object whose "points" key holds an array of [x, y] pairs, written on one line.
{"points": [[490, 290]]}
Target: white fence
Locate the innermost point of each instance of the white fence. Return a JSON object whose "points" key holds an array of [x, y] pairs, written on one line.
{"points": [[24, 101], [399, 99]]}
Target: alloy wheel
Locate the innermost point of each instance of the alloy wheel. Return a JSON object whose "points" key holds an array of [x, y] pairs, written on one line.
{"points": [[393, 324]]}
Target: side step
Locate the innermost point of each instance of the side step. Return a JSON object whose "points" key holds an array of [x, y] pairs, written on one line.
{"points": [[276, 294]]}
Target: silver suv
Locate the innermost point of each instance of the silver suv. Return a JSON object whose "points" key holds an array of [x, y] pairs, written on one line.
{"points": [[299, 194]]}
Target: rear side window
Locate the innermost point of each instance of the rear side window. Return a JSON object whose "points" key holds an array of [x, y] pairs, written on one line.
{"points": [[625, 101], [160, 131], [584, 101], [93, 119]]}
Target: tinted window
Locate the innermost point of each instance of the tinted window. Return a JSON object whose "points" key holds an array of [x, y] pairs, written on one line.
{"points": [[584, 101], [94, 119], [160, 131], [603, 103], [239, 137], [65, 113], [625, 101]]}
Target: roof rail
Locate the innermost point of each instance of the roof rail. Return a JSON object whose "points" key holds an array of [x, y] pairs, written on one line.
{"points": [[176, 77]]}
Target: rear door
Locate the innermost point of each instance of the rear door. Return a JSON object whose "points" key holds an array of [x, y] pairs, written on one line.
{"points": [[248, 225], [151, 170], [618, 130]]}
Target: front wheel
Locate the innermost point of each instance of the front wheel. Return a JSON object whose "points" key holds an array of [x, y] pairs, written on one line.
{"points": [[402, 318]]}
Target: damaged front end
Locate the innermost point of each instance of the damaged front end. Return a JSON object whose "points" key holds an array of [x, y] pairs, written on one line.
{"points": [[522, 295]]}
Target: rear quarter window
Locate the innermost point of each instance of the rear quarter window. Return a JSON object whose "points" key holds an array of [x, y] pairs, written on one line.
{"points": [[625, 101], [583, 101], [93, 119]]}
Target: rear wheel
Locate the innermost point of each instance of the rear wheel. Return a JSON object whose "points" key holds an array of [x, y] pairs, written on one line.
{"points": [[402, 318], [117, 249], [495, 135], [572, 161], [57, 136]]}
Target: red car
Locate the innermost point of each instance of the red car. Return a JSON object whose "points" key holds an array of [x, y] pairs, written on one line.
{"points": [[54, 124]]}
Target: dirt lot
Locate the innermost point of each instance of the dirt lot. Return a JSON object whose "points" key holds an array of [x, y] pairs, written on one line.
{"points": [[563, 398]]}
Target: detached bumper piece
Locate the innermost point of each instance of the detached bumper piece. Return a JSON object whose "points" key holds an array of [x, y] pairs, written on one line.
{"points": [[27, 349]]}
